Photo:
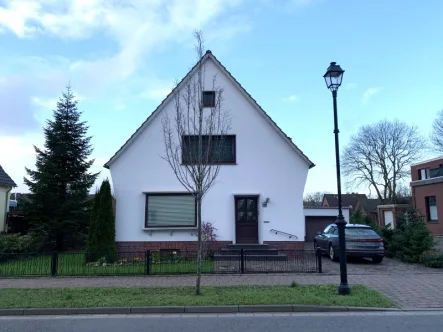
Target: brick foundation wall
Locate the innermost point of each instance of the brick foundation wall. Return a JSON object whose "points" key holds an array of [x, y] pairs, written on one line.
{"points": [[286, 245], [141, 246]]}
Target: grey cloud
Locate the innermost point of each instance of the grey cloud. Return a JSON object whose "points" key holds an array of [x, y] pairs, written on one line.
{"points": [[16, 109]]}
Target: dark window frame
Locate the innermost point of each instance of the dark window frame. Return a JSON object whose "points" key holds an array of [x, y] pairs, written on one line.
{"points": [[428, 210], [208, 94], [234, 147], [147, 194]]}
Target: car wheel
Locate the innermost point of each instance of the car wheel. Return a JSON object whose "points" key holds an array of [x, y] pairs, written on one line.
{"points": [[332, 254], [377, 260]]}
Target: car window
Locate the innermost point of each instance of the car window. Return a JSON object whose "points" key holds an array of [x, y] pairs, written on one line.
{"points": [[360, 232], [327, 229], [334, 231]]}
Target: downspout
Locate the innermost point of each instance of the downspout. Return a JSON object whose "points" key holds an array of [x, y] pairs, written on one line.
{"points": [[5, 229]]}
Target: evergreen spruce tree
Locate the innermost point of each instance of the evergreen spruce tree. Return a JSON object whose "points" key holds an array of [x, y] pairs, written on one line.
{"points": [[411, 238], [91, 244], [60, 183]]}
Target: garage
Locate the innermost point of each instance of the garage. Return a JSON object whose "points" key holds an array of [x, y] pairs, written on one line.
{"points": [[317, 218], [316, 224]]}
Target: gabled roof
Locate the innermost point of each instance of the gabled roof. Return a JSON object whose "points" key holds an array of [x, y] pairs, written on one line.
{"points": [[370, 204], [5, 179], [209, 55], [346, 199]]}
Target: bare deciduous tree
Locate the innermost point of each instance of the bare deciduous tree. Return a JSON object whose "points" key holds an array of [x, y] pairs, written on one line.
{"points": [[437, 133], [379, 156], [195, 138]]}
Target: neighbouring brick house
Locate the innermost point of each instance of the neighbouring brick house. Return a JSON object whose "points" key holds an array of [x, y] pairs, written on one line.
{"points": [[427, 192], [368, 206], [348, 200], [387, 213]]}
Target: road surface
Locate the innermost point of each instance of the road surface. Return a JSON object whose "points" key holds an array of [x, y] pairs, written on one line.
{"points": [[431, 321]]}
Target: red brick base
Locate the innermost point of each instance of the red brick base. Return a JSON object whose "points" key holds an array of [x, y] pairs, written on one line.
{"points": [[286, 245], [139, 246]]}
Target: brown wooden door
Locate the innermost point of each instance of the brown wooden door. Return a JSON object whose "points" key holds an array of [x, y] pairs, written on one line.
{"points": [[246, 219]]}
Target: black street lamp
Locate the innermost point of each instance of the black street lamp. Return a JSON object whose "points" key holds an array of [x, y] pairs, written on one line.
{"points": [[333, 78]]}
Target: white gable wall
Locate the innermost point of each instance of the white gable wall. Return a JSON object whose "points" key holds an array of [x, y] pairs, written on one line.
{"points": [[267, 165]]}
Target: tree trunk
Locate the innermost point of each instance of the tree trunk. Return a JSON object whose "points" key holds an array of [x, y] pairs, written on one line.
{"points": [[199, 246], [59, 239]]}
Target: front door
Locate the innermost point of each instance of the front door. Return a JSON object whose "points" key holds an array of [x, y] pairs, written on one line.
{"points": [[246, 219]]}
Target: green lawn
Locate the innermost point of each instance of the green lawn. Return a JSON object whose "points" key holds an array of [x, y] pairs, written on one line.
{"points": [[73, 265], [136, 296]]}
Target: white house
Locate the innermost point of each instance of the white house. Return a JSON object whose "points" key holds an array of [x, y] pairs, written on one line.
{"points": [[6, 185], [258, 197]]}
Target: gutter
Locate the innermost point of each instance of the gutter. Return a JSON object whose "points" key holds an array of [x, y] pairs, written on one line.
{"points": [[5, 229]]}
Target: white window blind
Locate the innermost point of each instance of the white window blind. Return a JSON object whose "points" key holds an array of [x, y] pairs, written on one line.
{"points": [[432, 208], [433, 212], [170, 210]]}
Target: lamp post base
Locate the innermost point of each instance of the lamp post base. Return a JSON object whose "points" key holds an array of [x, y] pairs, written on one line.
{"points": [[344, 289]]}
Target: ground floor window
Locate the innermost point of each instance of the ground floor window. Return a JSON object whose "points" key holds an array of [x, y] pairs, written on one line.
{"points": [[431, 207], [170, 210]]}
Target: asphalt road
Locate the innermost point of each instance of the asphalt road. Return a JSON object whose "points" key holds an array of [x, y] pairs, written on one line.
{"points": [[346, 322]]}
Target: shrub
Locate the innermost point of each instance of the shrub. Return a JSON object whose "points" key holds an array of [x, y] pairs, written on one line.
{"points": [[209, 238], [432, 258], [411, 238], [171, 256], [101, 237], [385, 232], [15, 244]]}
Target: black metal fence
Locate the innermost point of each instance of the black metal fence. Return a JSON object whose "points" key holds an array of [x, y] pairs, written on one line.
{"points": [[171, 262]]}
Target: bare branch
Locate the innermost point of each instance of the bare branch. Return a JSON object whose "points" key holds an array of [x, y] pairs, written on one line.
{"points": [[195, 137], [437, 133], [379, 156]]}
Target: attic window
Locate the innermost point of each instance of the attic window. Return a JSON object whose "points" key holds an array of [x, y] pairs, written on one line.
{"points": [[208, 98]]}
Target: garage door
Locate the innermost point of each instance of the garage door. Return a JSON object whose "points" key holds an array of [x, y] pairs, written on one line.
{"points": [[316, 224]]}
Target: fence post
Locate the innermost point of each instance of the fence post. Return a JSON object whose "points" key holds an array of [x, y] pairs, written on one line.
{"points": [[319, 263], [242, 260], [147, 261], [54, 264]]}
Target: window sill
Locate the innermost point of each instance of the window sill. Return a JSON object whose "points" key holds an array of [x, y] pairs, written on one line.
{"points": [[219, 164], [171, 230], [432, 221], [176, 228]]}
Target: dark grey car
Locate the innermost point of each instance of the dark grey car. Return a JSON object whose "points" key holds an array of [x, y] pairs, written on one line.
{"points": [[361, 241]]}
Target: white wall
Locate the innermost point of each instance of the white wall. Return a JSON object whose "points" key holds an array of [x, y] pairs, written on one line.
{"points": [[4, 206], [325, 212], [267, 165]]}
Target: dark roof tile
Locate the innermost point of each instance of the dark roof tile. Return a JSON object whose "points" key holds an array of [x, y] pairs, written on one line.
{"points": [[346, 199], [5, 179]]}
